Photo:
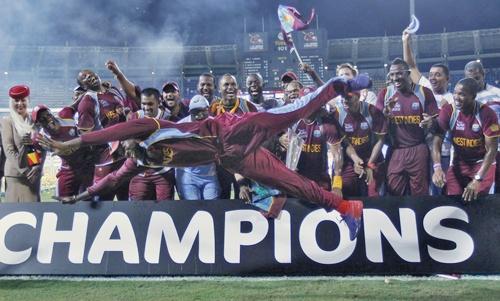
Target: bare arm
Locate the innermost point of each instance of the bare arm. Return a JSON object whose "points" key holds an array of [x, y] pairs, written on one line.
{"points": [[491, 144], [338, 162], [358, 162], [438, 177], [126, 172], [471, 191], [409, 58], [338, 158], [312, 73], [377, 148], [127, 86]]}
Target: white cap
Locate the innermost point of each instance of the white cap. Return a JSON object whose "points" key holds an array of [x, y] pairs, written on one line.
{"points": [[198, 102]]}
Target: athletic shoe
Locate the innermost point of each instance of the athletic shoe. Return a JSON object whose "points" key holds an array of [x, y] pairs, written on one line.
{"points": [[352, 216]]}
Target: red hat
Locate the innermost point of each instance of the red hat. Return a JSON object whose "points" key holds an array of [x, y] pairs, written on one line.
{"points": [[172, 84], [19, 91], [36, 110], [290, 75]]}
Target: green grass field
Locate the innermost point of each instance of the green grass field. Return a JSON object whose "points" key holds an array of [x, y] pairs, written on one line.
{"points": [[253, 290]]}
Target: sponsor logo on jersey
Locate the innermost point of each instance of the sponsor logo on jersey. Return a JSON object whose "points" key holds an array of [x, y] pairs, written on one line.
{"points": [[348, 127], [476, 127], [397, 107], [460, 126], [466, 142], [317, 133], [357, 141], [72, 132], [415, 106], [364, 125]]}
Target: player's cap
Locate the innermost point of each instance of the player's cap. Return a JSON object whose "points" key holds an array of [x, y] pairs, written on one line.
{"points": [[36, 111], [169, 86], [198, 102], [288, 77], [19, 91]]}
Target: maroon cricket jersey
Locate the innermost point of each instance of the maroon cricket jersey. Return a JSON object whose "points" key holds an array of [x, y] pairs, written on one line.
{"points": [[162, 115], [178, 112], [469, 131], [174, 150], [107, 111], [406, 116], [82, 158], [240, 107], [316, 134], [359, 128]]}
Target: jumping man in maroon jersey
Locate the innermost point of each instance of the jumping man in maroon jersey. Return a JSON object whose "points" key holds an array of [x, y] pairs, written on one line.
{"points": [[232, 140]]}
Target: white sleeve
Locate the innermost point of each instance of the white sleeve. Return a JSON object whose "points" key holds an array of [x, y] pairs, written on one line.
{"points": [[424, 81]]}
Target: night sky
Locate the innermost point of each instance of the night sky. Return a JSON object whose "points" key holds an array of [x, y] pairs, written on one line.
{"points": [[190, 22]]}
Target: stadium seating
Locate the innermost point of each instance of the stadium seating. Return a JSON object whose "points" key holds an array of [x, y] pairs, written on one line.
{"points": [[51, 70]]}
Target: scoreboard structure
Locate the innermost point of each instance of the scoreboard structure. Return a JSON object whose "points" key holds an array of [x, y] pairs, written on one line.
{"points": [[267, 53]]}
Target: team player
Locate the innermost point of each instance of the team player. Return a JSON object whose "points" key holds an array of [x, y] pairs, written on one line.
{"points": [[474, 131], [101, 106], [232, 140], [438, 81], [206, 87], [229, 102], [364, 127], [409, 108], [321, 133], [172, 101], [439, 74], [489, 95], [76, 171], [154, 183]]}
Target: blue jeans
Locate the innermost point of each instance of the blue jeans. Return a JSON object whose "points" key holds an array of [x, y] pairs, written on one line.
{"points": [[196, 187]]}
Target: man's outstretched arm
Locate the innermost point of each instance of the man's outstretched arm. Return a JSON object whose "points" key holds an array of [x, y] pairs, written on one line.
{"points": [[126, 172], [138, 128]]}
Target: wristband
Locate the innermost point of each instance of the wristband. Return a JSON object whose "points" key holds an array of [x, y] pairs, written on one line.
{"points": [[371, 165], [337, 182], [436, 165]]}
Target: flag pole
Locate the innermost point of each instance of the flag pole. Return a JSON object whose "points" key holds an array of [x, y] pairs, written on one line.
{"points": [[294, 49]]}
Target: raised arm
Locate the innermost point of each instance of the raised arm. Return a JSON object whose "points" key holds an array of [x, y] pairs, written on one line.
{"points": [[127, 86], [409, 58], [312, 73]]}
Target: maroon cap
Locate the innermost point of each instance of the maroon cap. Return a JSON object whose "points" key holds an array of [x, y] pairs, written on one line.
{"points": [[19, 91], [172, 85], [36, 110], [290, 75]]}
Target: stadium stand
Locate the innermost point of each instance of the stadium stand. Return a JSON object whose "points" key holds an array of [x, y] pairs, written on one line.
{"points": [[51, 70]]}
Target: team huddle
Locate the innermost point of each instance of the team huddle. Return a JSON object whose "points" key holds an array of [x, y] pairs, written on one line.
{"points": [[413, 138]]}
